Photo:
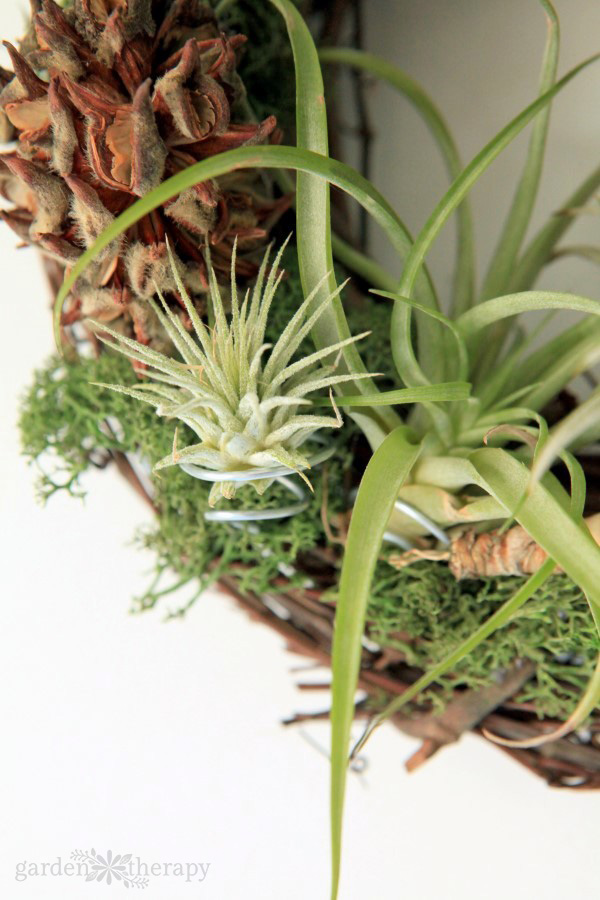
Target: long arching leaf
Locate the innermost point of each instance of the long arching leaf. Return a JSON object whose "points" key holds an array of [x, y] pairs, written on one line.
{"points": [[328, 170], [401, 346], [475, 320], [385, 474], [519, 215], [313, 220], [540, 249], [313, 231], [402, 82]]}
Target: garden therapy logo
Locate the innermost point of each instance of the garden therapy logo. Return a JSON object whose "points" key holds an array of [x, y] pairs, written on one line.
{"points": [[124, 868]]}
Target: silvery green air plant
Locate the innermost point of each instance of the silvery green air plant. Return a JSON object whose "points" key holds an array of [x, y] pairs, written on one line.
{"points": [[245, 400]]}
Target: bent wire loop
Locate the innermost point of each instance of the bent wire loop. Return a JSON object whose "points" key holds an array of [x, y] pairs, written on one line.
{"points": [[402, 506], [243, 518], [281, 474]]}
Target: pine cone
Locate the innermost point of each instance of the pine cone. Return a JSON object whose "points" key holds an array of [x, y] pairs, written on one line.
{"points": [[108, 99]]}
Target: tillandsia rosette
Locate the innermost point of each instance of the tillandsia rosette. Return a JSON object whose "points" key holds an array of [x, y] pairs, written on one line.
{"points": [[241, 396], [467, 479], [106, 100]]}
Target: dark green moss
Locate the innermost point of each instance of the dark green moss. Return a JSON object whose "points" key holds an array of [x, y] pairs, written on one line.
{"points": [[266, 64]]}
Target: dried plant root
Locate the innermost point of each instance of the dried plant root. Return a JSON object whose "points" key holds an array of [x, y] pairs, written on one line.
{"points": [[491, 554]]}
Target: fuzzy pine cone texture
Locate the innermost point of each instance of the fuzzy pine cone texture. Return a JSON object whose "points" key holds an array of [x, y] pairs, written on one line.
{"points": [[107, 99]]}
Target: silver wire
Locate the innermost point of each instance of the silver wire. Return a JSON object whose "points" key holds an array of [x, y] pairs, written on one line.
{"points": [[260, 515], [276, 473], [281, 475], [423, 520], [253, 474]]}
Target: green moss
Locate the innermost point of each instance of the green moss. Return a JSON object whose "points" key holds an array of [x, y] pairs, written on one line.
{"points": [[421, 611], [63, 427], [266, 66], [555, 629], [63, 420]]}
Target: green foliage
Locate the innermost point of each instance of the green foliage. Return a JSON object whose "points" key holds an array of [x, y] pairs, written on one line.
{"points": [[385, 474], [245, 400], [63, 427], [63, 412], [423, 599]]}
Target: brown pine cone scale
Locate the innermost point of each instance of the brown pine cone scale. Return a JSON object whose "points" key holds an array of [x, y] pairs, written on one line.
{"points": [[106, 100]]}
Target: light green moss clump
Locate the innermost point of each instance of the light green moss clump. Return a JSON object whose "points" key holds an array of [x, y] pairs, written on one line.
{"points": [[61, 425], [63, 432], [555, 629]]}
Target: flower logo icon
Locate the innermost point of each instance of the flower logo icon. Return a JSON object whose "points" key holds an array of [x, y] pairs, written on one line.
{"points": [[109, 867]]}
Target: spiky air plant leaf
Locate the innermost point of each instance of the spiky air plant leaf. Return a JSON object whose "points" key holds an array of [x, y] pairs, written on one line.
{"points": [[240, 396], [106, 100]]}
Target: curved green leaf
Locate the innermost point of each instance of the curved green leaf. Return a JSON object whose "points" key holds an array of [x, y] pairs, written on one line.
{"points": [[582, 251], [463, 359], [336, 173], [401, 347], [496, 383], [555, 363], [349, 256], [567, 364], [540, 249], [357, 262], [478, 318], [402, 82], [313, 220], [519, 215], [584, 420], [385, 474], [312, 197], [445, 392], [586, 706]]}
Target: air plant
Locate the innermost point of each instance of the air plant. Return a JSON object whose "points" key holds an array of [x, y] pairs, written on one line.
{"points": [[243, 405], [439, 457]]}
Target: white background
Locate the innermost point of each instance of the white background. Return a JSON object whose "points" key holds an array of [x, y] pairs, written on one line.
{"points": [[162, 740]]}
